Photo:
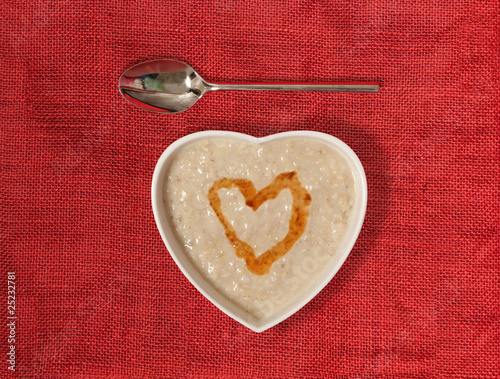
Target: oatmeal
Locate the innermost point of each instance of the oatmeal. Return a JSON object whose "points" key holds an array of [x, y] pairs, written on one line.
{"points": [[260, 222]]}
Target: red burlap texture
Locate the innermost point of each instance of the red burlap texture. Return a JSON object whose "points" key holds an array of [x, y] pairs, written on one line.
{"points": [[98, 295]]}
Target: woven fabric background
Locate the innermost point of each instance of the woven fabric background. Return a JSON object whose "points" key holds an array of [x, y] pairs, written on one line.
{"points": [[97, 294]]}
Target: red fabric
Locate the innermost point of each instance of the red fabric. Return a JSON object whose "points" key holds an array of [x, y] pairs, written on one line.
{"points": [[98, 295]]}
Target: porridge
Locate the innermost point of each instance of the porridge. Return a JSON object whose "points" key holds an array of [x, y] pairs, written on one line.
{"points": [[260, 222]]}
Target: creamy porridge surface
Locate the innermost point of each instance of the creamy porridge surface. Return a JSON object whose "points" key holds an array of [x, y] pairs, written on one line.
{"points": [[320, 169]]}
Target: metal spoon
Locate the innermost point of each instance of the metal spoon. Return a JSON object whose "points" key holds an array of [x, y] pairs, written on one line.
{"points": [[170, 86]]}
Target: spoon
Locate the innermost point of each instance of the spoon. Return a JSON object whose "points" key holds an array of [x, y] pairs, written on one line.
{"points": [[170, 86]]}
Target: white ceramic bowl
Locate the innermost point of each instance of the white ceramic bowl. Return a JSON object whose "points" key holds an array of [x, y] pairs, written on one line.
{"points": [[194, 275]]}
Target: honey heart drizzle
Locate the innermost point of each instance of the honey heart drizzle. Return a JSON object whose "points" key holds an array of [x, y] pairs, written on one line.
{"points": [[253, 199]]}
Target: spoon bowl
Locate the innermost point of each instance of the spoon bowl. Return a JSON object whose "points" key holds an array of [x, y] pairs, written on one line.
{"points": [[170, 86], [165, 86]]}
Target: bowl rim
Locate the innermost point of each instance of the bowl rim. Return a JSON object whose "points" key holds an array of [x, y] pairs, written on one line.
{"points": [[324, 277]]}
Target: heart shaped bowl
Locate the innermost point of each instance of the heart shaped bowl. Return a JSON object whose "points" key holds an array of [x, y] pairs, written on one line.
{"points": [[194, 275]]}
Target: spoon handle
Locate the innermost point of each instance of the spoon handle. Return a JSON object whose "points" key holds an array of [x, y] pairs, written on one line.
{"points": [[325, 87]]}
